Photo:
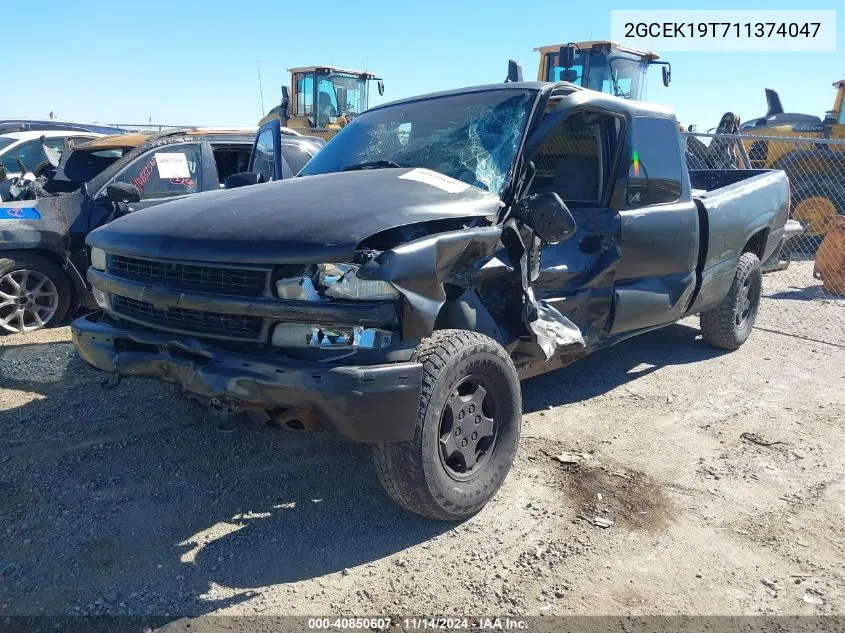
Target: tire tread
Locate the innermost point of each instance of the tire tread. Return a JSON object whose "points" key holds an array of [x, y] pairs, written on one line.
{"points": [[398, 465], [718, 326]]}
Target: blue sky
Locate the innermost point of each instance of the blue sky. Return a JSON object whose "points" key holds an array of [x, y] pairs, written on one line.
{"points": [[182, 62]]}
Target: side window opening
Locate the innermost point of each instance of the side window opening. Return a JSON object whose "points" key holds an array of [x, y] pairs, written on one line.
{"points": [[230, 160], [305, 94], [295, 156], [31, 153], [655, 168], [575, 161], [75, 141], [170, 170], [56, 143]]}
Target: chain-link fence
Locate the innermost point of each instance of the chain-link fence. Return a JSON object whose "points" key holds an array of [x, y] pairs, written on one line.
{"points": [[804, 288]]}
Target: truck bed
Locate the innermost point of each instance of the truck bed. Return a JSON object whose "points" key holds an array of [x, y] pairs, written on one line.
{"points": [[736, 207]]}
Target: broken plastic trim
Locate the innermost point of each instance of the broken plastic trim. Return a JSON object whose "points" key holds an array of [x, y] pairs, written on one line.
{"points": [[420, 268], [550, 328]]}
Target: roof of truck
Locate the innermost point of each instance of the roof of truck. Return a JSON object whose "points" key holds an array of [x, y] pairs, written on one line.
{"points": [[636, 108]]}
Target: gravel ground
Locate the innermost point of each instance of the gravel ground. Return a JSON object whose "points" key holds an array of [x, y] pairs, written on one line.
{"points": [[797, 303], [130, 501]]}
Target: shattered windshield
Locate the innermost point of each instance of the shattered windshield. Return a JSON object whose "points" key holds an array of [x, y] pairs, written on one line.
{"points": [[472, 137]]}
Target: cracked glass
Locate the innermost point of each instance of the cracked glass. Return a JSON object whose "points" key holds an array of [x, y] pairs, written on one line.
{"points": [[472, 137]]}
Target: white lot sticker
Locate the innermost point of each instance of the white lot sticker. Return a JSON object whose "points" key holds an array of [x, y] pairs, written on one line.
{"points": [[172, 165], [435, 180]]}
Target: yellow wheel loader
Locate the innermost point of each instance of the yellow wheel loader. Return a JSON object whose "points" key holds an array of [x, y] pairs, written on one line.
{"points": [[601, 65], [323, 99], [816, 170]]}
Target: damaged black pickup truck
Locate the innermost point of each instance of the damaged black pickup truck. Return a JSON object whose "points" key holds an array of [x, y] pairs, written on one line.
{"points": [[438, 250]]}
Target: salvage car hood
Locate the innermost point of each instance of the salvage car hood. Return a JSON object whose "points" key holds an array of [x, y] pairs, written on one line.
{"points": [[311, 219]]}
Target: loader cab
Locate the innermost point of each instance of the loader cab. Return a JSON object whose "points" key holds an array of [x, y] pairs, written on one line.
{"points": [[603, 66], [325, 97]]}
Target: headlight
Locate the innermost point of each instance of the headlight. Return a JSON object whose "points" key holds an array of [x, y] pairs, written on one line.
{"points": [[98, 259], [342, 282]]}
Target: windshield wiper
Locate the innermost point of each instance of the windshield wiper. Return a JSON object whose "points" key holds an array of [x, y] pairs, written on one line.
{"points": [[374, 164]]}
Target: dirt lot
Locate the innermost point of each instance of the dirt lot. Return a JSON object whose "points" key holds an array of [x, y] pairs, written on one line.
{"points": [[131, 502]]}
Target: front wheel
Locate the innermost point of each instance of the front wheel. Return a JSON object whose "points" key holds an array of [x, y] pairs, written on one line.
{"points": [[729, 325], [34, 293], [467, 429]]}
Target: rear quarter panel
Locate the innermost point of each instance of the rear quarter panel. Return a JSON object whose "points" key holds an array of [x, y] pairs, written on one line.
{"points": [[732, 215]]}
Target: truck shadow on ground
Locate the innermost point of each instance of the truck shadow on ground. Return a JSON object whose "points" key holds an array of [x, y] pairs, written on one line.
{"points": [[809, 293], [130, 502], [607, 369]]}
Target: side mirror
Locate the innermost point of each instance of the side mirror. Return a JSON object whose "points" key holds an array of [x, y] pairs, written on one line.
{"points": [[514, 72], [284, 107], [547, 215], [243, 179], [566, 56], [123, 192], [380, 86], [667, 75]]}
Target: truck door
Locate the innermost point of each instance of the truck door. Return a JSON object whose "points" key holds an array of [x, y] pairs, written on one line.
{"points": [[266, 156], [655, 278], [578, 162]]}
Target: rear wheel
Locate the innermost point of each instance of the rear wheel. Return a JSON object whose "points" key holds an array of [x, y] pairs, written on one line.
{"points": [[729, 325], [34, 293], [467, 429]]}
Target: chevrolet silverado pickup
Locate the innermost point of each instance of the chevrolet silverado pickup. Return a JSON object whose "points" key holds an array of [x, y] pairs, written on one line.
{"points": [[435, 252]]}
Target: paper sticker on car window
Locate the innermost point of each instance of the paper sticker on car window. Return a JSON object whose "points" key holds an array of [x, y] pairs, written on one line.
{"points": [[172, 165], [435, 180]]}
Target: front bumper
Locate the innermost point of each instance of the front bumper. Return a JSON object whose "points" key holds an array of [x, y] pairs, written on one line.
{"points": [[377, 403]]}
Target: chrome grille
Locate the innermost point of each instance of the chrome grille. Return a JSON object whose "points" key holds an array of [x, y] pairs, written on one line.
{"points": [[243, 282], [193, 321]]}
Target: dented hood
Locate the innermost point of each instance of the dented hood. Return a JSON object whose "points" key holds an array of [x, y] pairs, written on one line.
{"points": [[311, 219]]}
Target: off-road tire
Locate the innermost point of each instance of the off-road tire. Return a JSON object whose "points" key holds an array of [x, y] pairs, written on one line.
{"points": [[719, 326], [28, 261], [412, 472]]}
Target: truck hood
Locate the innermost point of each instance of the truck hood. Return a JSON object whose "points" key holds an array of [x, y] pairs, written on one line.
{"points": [[311, 219]]}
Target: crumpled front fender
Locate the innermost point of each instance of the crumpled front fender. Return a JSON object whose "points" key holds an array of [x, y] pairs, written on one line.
{"points": [[418, 270]]}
